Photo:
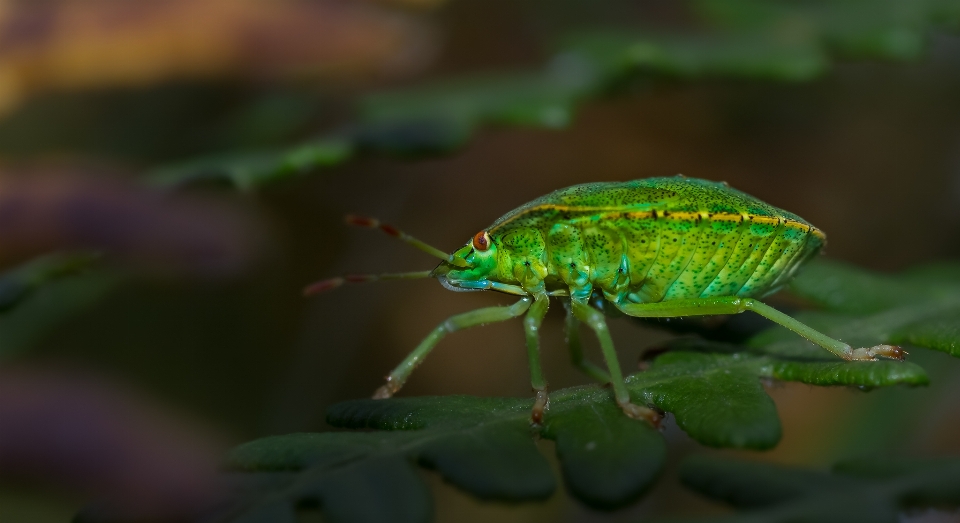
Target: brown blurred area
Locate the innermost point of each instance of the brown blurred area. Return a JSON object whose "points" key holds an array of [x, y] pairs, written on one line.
{"points": [[60, 45], [870, 154]]}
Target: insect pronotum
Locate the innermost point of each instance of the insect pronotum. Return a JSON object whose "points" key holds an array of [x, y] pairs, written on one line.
{"points": [[656, 247]]}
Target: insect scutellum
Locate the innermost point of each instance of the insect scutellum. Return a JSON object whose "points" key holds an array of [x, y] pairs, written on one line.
{"points": [[656, 247]]}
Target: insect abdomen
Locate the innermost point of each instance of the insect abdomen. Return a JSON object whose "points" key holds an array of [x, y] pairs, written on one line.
{"points": [[663, 256], [727, 255]]}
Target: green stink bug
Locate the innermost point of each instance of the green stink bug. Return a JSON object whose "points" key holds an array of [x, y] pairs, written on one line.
{"points": [[656, 247]]}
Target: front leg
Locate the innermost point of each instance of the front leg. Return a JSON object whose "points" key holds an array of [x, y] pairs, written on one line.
{"points": [[736, 305], [595, 320], [399, 376]]}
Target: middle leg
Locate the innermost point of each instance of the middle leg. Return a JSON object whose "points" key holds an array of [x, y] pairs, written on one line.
{"points": [[531, 329], [572, 330], [595, 320]]}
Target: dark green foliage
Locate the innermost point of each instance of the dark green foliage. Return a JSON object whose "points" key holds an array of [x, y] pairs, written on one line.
{"points": [[714, 391], [938, 331], [863, 490], [885, 29], [607, 459], [249, 170], [18, 283], [22, 328], [750, 39], [541, 99], [486, 446], [620, 55], [39, 294]]}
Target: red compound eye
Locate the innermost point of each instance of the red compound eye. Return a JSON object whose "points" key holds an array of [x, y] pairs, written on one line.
{"points": [[481, 241]]}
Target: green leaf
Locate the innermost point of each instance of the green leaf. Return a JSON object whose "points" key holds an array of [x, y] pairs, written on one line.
{"points": [[607, 459], [717, 399], [486, 446], [846, 288], [694, 56], [245, 171], [939, 332], [347, 498], [348, 475], [542, 98], [38, 316], [884, 29], [18, 283], [871, 490], [38, 295]]}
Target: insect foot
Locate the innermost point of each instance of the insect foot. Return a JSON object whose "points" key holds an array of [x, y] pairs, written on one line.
{"points": [[540, 404], [387, 390], [870, 353], [642, 413]]}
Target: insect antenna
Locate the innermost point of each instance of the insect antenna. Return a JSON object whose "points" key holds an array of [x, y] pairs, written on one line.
{"points": [[333, 283], [373, 223]]}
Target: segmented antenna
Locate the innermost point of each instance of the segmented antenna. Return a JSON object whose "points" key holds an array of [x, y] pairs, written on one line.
{"points": [[373, 223], [333, 283]]}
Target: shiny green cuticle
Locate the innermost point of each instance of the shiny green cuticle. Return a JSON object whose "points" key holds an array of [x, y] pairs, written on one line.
{"points": [[655, 247]]}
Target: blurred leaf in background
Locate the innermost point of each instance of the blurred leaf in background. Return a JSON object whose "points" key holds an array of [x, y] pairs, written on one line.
{"points": [[68, 240], [744, 39], [865, 490]]}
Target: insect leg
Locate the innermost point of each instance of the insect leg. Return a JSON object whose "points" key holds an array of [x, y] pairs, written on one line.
{"points": [[572, 329], [531, 329], [399, 375], [595, 320], [736, 305]]}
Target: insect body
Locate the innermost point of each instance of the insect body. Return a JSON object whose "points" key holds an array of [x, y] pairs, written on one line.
{"points": [[657, 247]]}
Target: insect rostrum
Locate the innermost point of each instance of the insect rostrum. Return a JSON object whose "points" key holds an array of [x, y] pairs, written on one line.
{"points": [[655, 247]]}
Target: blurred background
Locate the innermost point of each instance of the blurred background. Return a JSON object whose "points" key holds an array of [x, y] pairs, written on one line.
{"points": [[166, 320]]}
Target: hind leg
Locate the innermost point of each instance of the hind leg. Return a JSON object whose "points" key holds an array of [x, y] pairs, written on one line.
{"points": [[572, 329], [736, 305]]}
